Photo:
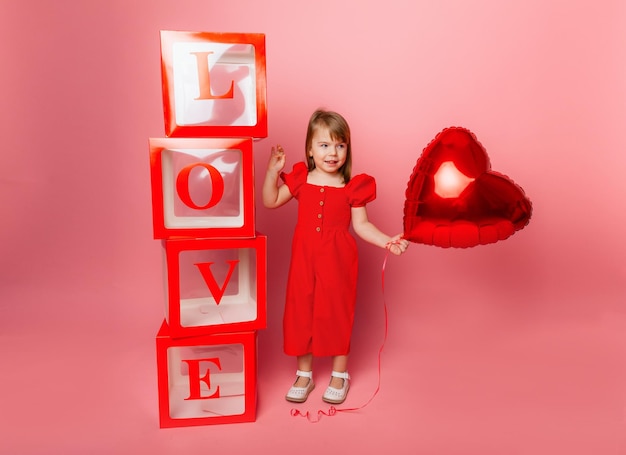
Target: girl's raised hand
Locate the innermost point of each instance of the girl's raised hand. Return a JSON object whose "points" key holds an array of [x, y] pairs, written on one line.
{"points": [[277, 159]]}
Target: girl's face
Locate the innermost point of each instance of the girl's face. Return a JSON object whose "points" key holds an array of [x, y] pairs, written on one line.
{"points": [[328, 154]]}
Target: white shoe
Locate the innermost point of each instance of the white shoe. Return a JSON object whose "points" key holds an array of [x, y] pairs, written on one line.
{"points": [[300, 394], [337, 396]]}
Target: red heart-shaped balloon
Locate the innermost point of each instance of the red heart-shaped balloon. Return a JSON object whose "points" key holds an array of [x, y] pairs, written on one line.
{"points": [[454, 199]]}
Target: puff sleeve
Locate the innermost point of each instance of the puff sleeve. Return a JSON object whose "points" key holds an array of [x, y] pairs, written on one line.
{"points": [[296, 178], [361, 190]]}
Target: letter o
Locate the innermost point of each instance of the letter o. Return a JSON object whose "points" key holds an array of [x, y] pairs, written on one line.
{"points": [[182, 186]]}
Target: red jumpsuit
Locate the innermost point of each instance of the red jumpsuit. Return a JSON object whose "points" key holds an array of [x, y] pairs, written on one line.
{"points": [[322, 282]]}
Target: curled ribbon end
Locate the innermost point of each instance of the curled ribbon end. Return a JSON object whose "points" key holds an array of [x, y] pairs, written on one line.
{"points": [[320, 413]]}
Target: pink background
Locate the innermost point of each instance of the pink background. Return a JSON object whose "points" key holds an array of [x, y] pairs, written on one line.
{"points": [[512, 348]]}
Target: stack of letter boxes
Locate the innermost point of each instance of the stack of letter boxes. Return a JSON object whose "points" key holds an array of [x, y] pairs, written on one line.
{"points": [[202, 177]]}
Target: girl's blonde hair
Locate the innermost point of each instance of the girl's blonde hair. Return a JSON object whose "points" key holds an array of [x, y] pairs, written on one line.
{"points": [[339, 131]]}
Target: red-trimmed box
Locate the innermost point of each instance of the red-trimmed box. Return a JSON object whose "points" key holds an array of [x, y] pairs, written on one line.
{"points": [[202, 187], [214, 84], [206, 380], [215, 285]]}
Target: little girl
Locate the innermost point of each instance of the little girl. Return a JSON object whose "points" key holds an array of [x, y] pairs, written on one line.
{"points": [[322, 281]]}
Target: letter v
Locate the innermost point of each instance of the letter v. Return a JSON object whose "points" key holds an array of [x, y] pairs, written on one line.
{"points": [[216, 291]]}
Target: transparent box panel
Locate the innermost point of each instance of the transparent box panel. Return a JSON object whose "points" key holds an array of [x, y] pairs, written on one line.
{"points": [[230, 69], [232, 274], [220, 376], [204, 209]]}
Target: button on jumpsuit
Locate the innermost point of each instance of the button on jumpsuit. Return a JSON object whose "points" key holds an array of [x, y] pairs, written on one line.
{"points": [[322, 281]]}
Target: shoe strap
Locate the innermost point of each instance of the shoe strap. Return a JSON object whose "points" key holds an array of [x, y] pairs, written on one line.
{"points": [[304, 374], [340, 375]]}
